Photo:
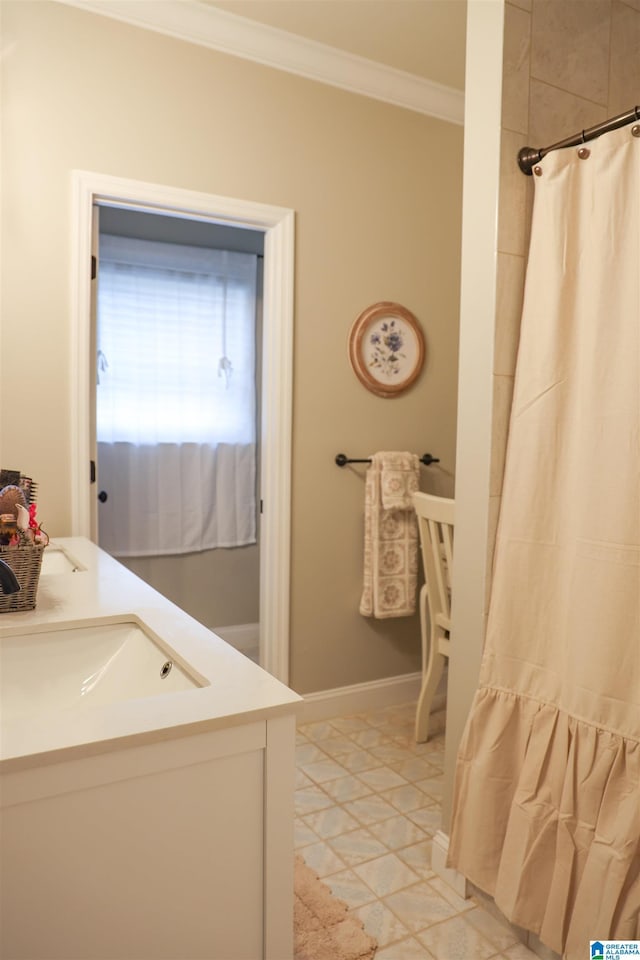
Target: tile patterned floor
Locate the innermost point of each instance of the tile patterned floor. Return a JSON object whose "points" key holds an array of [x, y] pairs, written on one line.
{"points": [[367, 806]]}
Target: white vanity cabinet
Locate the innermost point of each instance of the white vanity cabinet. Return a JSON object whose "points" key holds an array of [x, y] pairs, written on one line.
{"points": [[178, 849], [156, 829]]}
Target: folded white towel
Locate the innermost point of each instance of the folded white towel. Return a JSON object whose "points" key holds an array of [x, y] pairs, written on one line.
{"points": [[390, 536]]}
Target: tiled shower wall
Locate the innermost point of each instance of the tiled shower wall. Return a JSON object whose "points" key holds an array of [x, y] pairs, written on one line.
{"points": [[568, 64]]}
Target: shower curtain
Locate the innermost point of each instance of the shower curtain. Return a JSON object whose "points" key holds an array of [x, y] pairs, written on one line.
{"points": [[547, 797]]}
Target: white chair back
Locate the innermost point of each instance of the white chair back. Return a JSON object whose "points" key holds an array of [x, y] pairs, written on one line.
{"points": [[436, 517]]}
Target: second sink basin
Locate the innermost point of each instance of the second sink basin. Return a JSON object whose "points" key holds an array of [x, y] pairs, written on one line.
{"points": [[56, 560]]}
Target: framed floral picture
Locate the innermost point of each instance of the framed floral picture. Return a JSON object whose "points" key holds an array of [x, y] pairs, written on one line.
{"points": [[386, 348]]}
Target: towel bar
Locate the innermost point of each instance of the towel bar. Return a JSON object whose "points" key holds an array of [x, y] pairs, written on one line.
{"points": [[342, 459]]}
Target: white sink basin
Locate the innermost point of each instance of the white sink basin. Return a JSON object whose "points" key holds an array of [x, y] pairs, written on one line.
{"points": [[55, 560], [81, 665]]}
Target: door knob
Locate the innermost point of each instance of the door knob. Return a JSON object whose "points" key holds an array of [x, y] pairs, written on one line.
{"points": [[102, 496]]}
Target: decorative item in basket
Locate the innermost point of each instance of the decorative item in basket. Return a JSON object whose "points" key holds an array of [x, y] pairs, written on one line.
{"points": [[22, 542]]}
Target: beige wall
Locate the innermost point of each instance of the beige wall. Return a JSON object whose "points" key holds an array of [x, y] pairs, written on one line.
{"points": [[566, 66], [217, 587], [376, 190]]}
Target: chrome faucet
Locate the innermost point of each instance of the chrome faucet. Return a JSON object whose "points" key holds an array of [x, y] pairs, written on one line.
{"points": [[8, 580]]}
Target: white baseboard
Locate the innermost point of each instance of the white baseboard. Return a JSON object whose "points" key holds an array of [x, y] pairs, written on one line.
{"points": [[359, 697], [439, 852], [245, 637]]}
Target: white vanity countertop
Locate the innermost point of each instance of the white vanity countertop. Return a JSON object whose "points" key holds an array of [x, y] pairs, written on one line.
{"points": [[237, 691]]}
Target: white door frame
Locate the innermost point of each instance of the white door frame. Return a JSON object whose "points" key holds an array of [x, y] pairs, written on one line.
{"points": [[277, 373]]}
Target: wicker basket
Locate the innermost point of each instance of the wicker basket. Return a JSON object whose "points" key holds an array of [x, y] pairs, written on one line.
{"points": [[25, 561]]}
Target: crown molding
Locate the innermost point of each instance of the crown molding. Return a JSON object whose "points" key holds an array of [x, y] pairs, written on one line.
{"points": [[232, 34]]}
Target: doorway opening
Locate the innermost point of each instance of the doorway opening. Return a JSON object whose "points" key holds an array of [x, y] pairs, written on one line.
{"points": [[275, 225], [179, 323]]}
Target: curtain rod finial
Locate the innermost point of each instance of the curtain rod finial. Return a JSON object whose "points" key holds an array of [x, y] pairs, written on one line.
{"points": [[527, 156]]}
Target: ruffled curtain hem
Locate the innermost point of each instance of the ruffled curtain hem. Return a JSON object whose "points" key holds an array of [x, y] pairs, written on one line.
{"points": [[546, 820]]}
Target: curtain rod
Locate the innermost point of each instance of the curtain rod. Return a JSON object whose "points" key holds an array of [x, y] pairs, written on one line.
{"points": [[528, 156]]}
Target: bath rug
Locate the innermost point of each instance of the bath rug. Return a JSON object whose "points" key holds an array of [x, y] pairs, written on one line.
{"points": [[323, 928]]}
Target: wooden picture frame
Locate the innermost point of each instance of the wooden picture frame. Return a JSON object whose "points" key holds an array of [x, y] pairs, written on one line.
{"points": [[386, 348]]}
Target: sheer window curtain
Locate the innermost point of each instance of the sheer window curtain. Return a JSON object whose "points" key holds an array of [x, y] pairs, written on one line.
{"points": [[176, 404]]}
